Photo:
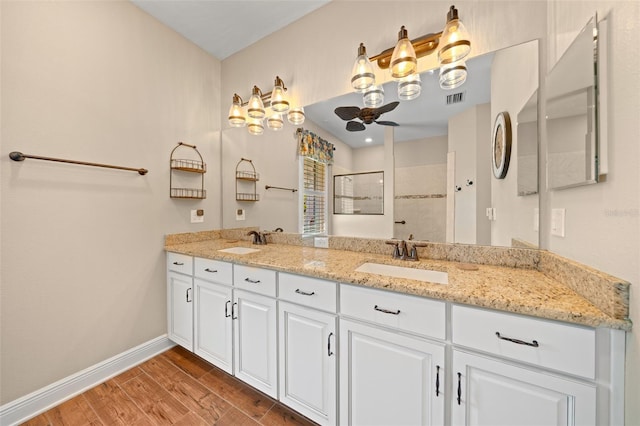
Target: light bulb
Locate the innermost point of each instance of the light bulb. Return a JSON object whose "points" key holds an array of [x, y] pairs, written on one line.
{"points": [[362, 76], [453, 75], [256, 107], [278, 101], [409, 87], [255, 126], [454, 42], [374, 96], [236, 114], [275, 122], [296, 116], [403, 59]]}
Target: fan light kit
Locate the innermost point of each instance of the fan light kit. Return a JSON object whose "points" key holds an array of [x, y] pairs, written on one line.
{"points": [[255, 114], [453, 45]]}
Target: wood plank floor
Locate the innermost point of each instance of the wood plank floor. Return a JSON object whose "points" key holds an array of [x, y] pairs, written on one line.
{"points": [[173, 388]]}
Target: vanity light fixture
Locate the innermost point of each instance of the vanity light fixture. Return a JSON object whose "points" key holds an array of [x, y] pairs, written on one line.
{"points": [[453, 44], [273, 104]]}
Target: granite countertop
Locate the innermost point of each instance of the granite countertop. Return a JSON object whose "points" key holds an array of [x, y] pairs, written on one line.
{"points": [[517, 290]]}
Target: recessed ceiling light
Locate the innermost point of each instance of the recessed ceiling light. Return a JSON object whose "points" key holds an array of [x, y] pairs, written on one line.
{"points": [[368, 140]]}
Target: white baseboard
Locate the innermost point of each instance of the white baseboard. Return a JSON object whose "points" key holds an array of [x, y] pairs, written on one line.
{"points": [[31, 405]]}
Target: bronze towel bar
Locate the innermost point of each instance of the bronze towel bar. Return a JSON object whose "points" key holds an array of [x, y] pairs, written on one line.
{"points": [[278, 187], [18, 156]]}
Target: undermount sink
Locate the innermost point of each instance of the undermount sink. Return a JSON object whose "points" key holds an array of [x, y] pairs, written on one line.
{"points": [[425, 275], [239, 250]]}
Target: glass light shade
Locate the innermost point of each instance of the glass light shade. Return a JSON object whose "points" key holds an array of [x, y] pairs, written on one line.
{"points": [[453, 75], [279, 102], [409, 87], [296, 115], [275, 122], [362, 76], [374, 96], [236, 116], [403, 59], [256, 107], [255, 126], [454, 44]]}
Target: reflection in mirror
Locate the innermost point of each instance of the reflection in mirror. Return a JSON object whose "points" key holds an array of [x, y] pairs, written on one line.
{"points": [[571, 108], [359, 193], [438, 126], [528, 147]]}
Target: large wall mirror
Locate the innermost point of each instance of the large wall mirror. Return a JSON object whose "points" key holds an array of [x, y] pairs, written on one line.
{"points": [[441, 170], [438, 181], [572, 113]]}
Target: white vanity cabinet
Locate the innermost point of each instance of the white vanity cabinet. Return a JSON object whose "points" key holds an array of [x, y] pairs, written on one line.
{"points": [[307, 346], [388, 376], [213, 328], [510, 369], [180, 299], [254, 314]]}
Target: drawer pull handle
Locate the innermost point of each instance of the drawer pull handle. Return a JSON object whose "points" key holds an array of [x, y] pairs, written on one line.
{"points": [[459, 388], [304, 293], [386, 311], [249, 280], [533, 343], [211, 270], [189, 300], [226, 309], [178, 263], [437, 380], [329, 353]]}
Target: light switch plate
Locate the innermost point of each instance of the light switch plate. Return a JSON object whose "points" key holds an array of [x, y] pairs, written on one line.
{"points": [[536, 219], [557, 222], [240, 215]]}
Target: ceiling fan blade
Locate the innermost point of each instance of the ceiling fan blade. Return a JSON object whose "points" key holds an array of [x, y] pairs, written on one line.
{"points": [[347, 113], [355, 126], [388, 107], [387, 123]]}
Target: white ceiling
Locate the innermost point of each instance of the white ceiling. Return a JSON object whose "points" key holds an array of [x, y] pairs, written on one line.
{"points": [[224, 27]]}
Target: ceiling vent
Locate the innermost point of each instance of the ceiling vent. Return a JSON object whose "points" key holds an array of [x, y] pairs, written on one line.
{"points": [[456, 98]]}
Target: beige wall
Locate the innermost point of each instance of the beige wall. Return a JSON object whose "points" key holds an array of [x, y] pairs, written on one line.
{"points": [[82, 270]]}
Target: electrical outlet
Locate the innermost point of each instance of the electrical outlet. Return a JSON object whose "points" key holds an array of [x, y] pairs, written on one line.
{"points": [[197, 216], [321, 242]]}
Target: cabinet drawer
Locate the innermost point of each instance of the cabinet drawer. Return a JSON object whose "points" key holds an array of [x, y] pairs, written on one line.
{"points": [[313, 292], [180, 263], [258, 280], [409, 313], [213, 270], [564, 347]]}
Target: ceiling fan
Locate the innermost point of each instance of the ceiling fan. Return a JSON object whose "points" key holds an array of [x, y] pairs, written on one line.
{"points": [[367, 115]]}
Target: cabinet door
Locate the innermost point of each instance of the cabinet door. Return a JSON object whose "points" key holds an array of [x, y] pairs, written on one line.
{"points": [[387, 378], [213, 332], [491, 392], [308, 362], [180, 309], [255, 344]]}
